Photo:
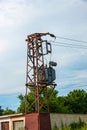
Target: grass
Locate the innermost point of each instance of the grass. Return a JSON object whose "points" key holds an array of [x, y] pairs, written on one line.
{"points": [[73, 126], [69, 128]]}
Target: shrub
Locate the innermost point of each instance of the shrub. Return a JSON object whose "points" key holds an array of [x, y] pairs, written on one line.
{"points": [[78, 125], [55, 127]]}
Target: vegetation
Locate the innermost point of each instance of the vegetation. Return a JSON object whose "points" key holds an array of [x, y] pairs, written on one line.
{"points": [[73, 126], [79, 125], [77, 101], [1, 111], [6, 112], [74, 102]]}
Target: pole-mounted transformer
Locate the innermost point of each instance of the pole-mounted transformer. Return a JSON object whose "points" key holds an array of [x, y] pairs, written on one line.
{"points": [[38, 75]]}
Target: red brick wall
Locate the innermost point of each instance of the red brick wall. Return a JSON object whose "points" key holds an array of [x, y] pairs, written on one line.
{"points": [[36, 121]]}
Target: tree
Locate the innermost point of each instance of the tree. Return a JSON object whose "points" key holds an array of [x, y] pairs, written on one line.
{"points": [[8, 112], [1, 111], [22, 99], [77, 101], [62, 108], [74, 102], [52, 101]]}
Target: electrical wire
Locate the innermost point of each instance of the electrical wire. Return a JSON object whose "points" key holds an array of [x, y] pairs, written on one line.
{"points": [[62, 44], [69, 45], [71, 39], [9, 94], [74, 87]]}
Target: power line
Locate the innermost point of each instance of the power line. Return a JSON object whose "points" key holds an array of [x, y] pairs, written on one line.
{"points": [[74, 87], [72, 44], [71, 39], [10, 94], [69, 45]]}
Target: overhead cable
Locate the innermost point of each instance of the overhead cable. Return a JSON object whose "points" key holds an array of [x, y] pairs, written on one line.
{"points": [[71, 39], [69, 45]]}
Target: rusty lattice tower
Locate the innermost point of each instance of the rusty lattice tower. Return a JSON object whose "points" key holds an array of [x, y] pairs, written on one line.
{"points": [[38, 76]]}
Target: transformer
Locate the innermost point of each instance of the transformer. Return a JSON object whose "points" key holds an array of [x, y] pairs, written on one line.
{"points": [[38, 75], [49, 73]]}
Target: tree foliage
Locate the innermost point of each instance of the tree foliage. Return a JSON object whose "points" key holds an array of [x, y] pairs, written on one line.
{"points": [[1, 111], [8, 111], [77, 101], [52, 101], [74, 102], [30, 98]]}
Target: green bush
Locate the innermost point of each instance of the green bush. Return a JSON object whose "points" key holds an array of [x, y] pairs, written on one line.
{"points": [[55, 127], [78, 125], [73, 126]]}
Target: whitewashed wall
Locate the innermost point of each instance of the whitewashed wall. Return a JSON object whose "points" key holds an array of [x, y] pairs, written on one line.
{"points": [[66, 119]]}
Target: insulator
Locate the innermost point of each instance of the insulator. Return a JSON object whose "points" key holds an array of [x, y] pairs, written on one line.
{"points": [[48, 47]]}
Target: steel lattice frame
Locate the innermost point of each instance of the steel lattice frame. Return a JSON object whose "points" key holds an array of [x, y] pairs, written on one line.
{"points": [[35, 64]]}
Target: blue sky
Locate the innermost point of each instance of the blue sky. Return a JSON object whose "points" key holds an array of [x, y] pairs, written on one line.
{"points": [[65, 18]]}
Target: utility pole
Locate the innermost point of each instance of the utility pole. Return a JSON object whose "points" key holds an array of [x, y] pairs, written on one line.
{"points": [[38, 75]]}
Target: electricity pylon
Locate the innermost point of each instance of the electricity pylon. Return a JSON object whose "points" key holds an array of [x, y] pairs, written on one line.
{"points": [[38, 75]]}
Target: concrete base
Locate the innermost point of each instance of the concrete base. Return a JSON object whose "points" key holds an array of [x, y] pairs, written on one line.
{"points": [[37, 121]]}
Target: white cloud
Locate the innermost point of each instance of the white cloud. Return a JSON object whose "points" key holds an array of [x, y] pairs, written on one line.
{"points": [[20, 17], [73, 79], [15, 13], [82, 76], [2, 46]]}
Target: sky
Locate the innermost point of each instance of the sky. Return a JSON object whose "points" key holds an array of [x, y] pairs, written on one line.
{"points": [[63, 18]]}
